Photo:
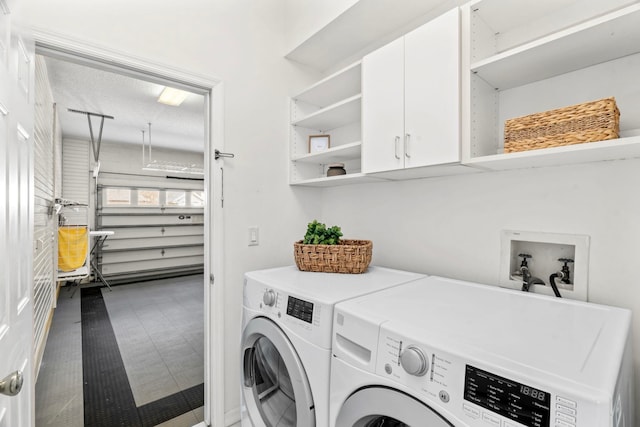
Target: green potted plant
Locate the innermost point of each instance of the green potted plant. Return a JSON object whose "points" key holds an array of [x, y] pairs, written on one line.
{"points": [[323, 250]]}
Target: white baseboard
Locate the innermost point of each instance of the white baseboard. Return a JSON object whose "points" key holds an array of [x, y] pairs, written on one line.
{"points": [[232, 417]]}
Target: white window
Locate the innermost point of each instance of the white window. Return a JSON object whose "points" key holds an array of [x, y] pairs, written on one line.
{"points": [[197, 199], [175, 198], [148, 198], [118, 197]]}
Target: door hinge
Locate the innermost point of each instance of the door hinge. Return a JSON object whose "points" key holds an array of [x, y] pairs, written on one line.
{"points": [[212, 279]]}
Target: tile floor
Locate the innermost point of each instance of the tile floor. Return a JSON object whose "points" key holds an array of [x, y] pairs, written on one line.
{"points": [[59, 394], [159, 327]]}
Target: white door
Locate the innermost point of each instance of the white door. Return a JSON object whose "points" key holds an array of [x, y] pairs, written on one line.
{"points": [[432, 92], [383, 108], [16, 220]]}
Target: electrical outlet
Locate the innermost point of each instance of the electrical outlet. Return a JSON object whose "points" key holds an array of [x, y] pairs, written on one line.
{"points": [[254, 236]]}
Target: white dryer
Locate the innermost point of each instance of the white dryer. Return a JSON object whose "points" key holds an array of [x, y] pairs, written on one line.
{"points": [[286, 340], [438, 352]]}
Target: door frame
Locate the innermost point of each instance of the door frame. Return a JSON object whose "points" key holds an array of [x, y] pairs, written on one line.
{"points": [[212, 88]]}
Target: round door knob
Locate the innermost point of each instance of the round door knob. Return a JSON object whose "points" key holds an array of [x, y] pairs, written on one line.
{"points": [[414, 361], [269, 298]]}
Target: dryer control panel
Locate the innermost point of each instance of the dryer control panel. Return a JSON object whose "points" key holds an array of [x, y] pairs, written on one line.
{"points": [[309, 319]]}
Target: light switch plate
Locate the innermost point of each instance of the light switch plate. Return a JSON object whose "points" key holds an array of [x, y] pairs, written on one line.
{"points": [[254, 238]]}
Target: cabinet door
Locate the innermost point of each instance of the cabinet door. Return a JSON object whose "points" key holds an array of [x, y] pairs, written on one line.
{"points": [[432, 92], [383, 108]]}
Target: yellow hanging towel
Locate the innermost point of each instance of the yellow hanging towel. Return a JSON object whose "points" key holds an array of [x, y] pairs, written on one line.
{"points": [[72, 247]]}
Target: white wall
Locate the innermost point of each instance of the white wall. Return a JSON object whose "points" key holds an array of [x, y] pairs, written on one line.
{"points": [[241, 42], [451, 226], [305, 18]]}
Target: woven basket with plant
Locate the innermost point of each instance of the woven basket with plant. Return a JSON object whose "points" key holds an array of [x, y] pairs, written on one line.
{"points": [[322, 250]]}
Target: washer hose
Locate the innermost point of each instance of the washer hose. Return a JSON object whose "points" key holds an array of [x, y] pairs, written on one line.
{"points": [[552, 280]]}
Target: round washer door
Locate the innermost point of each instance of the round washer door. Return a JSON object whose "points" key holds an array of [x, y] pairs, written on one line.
{"points": [[385, 407], [274, 383]]}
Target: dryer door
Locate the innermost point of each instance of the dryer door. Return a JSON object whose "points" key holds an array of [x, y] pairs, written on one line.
{"points": [[274, 383], [384, 407]]}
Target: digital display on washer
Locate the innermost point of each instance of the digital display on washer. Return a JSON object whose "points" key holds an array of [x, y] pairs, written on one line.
{"points": [[526, 405], [300, 309]]}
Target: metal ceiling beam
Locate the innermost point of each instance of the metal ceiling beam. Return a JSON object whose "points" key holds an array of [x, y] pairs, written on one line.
{"points": [[94, 144]]}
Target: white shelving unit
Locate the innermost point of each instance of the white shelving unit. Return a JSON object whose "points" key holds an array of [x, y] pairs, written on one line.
{"points": [[333, 107], [364, 25], [336, 154], [553, 55], [334, 116]]}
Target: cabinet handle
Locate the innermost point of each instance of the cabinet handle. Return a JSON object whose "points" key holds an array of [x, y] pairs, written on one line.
{"points": [[395, 148], [407, 140]]}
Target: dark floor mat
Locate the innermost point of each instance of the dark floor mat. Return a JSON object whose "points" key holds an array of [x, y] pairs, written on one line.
{"points": [[108, 399], [172, 406]]}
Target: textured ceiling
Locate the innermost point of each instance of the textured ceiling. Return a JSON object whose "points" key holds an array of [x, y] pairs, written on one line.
{"points": [[130, 101]]}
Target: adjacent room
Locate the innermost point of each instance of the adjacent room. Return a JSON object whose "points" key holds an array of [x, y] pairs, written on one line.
{"points": [[126, 341]]}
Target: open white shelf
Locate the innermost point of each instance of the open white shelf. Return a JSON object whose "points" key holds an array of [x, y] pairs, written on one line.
{"points": [[332, 155], [334, 88], [554, 54], [601, 39], [614, 149], [333, 116], [332, 107]]}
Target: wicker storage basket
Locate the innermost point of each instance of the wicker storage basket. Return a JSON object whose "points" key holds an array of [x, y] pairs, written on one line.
{"points": [[349, 256], [588, 122]]}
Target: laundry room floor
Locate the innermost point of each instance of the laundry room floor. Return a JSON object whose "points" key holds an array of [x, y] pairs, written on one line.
{"points": [[131, 356]]}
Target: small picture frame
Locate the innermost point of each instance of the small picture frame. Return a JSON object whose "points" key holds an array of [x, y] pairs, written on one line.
{"points": [[319, 143]]}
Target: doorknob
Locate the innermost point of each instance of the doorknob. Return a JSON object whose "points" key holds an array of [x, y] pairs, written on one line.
{"points": [[12, 384], [218, 154]]}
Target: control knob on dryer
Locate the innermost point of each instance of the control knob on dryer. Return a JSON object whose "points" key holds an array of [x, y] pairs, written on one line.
{"points": [[269, 297], [414, 361]]}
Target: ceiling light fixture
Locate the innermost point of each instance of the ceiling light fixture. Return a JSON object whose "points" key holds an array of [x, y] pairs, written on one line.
{"points": [[171, 96]]}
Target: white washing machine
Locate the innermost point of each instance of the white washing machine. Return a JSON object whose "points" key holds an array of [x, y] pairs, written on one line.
{"points": [[286, 340], [438, 352]]}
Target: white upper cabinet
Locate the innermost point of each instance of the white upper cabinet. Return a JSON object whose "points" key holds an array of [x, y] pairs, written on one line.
{"points": [[410, 105], [432, 92], [383, 108], [523, 60]]}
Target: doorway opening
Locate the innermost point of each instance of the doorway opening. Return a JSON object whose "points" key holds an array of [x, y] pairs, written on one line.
{"points": [[167, 222]]}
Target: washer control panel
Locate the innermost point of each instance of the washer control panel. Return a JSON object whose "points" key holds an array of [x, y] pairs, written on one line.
{"points": [[474, 392], [269, 297], [414, 361], [519, 402], [417, 366]]}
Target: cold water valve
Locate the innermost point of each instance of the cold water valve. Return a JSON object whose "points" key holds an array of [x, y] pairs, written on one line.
{"points": [[565, 270]]}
